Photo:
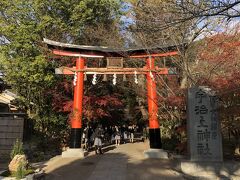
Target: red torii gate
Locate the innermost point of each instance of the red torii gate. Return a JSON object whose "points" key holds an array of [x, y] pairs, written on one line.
{"points": [[83, 52]]}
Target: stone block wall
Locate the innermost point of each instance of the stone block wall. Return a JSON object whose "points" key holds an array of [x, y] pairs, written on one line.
{"points": [[11, 128]]}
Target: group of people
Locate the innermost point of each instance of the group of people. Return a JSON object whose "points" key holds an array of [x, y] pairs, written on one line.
{"points": [[96, 137], [123, 134]]}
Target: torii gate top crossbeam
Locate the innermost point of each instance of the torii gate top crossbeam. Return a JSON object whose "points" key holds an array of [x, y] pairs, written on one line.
{"points": [[65, 49]]}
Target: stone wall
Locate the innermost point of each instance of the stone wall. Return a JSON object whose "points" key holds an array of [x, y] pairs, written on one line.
{"points": [[11, 128]]}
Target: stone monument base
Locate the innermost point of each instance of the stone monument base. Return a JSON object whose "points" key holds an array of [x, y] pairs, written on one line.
{"points": [[156, 153], [73, 153], [211, 170]]}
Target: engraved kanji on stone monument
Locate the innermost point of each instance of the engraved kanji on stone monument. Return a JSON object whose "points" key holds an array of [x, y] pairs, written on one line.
{"points": [[204, 137]]}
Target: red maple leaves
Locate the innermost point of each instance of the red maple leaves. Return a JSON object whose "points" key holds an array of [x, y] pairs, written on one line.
{"points": [[94, 107], [221, 53]]}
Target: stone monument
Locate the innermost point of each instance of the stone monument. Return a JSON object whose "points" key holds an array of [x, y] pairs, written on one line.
{"points": [[204, 136]]}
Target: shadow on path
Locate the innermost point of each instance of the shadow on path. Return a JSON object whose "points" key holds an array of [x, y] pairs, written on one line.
{"points": [[113, 165]]}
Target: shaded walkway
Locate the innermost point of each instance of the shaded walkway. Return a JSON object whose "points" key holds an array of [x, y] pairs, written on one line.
{"points": [[125, 162]]}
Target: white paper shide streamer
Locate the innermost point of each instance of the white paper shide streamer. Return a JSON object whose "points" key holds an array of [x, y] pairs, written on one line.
{"points": [[75, 79], [135, 77], [151, 75], [114, 79], [94, 80]]}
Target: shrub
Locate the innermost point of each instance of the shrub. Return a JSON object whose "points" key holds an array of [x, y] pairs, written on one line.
{"points": [[20, 173], [17, 149]]}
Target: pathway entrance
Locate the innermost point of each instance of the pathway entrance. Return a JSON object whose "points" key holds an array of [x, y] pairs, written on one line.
{"points": [[81, 53], [125, 162]]}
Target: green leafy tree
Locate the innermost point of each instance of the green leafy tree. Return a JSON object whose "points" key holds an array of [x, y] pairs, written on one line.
{"points": [[25, 60]]}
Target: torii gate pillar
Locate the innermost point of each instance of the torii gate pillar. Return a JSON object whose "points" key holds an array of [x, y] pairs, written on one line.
{"points": [[76, 119], [155, 150], [154, 130], [75, 149]]}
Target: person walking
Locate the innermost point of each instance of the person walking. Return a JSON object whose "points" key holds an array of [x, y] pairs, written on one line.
{"points": [[131, 131], [84, 139], [117, 136], [125, 134], [87, 132], [98, 135]]}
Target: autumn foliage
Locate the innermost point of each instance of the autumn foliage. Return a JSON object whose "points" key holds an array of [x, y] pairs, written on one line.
{"points": [[216, 65], [95, 104], [219, 67], [221, 57], [221, 53]]}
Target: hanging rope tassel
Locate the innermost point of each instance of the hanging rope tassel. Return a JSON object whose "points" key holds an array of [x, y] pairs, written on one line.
{"points": [[124, 77], [85, 77], [104, 77]]}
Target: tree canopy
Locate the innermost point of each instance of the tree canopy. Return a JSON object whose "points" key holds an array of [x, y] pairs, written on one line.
{"points": [[28, 66]]}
